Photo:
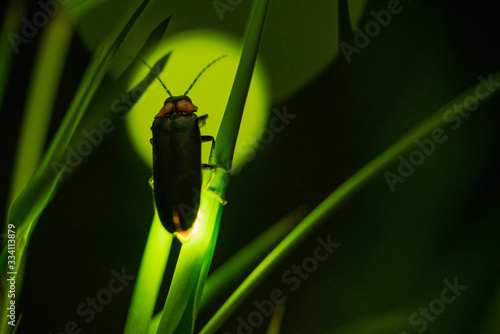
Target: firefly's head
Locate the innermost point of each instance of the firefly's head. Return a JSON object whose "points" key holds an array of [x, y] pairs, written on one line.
{"points": [[177, 104]]}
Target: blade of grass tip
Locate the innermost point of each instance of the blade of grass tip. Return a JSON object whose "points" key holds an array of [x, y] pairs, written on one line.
{"points": [[152, 42], [276, 319], [333, 201], [228, 130], [227, 274], [18, 323], [149, 278], [41, 99], [181, 306], [8, 45]]}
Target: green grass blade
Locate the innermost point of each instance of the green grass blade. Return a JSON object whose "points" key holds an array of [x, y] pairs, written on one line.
{"points": [[149, 278], [233, 269], [276, 319], [31, 201], [150, 45], [227, 274], [16, 9], [41, 99], [86, 91], [228, 131], [334, 200], [181, 306]]}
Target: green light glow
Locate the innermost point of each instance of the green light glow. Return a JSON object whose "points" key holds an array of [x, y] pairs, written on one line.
{"points": [[192, 51]]}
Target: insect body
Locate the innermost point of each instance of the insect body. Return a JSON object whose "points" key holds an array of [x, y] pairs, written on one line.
{"points": [[177, 161]]}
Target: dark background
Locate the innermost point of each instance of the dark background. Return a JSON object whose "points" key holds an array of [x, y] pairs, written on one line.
{"points": [[397, 248]]}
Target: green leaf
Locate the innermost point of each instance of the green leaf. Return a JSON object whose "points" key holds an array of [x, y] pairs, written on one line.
{"points": [[181, 306], [276, 319], [228, 131], [42, 94], [151, 271]]}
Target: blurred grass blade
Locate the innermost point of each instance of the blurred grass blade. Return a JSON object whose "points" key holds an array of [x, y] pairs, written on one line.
{"points": [[335, 199], [11, 25], [152, 43], [393, 322], [227, 274], [86, 91], [149, 278], [42, 93], [31, 201], [28, 206], [276, 319]]}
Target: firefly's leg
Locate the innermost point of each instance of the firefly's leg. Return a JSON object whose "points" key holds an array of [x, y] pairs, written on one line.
{"points": [[214, 168], [204, 139], [202, 120]]}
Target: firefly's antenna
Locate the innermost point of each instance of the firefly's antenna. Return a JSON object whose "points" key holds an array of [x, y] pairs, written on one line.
{"points": [[213, 62], [156, 74]]}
